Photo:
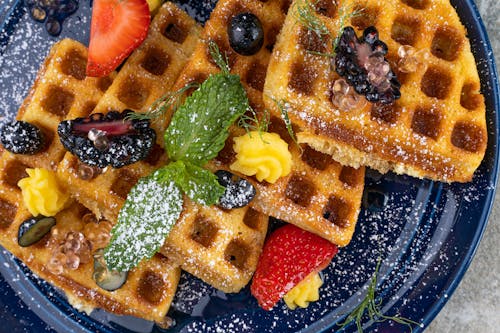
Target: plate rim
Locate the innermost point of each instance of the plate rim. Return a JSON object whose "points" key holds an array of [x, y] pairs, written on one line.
{"points": [[11, 6]]}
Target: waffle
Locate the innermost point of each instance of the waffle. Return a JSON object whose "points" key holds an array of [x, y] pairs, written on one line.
{"points": [[147, 293], [147, 75], [61, 91], [319, 195], [436, 129], [150, 287]]}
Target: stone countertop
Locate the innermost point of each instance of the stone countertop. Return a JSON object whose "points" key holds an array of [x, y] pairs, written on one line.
{"points": [[475, 305]]}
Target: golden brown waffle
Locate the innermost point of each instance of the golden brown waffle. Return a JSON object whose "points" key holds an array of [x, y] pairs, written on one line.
{"points": [[61, 91], [147, 75], [319, 195], [436, 129], [220, 247], [150, 287]]}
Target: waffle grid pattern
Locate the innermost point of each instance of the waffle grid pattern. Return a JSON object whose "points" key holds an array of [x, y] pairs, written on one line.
{"points": [[147, 75], [326, 205], [150, 288], [436, 130]]}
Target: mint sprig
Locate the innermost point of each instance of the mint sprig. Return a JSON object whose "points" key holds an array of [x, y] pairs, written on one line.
{"points": [[149, 213], [199, 184], [197, 132], [199, 128]]}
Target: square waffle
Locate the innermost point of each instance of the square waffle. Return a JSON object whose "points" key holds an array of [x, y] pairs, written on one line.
{"points": [[436, 130], [61, 91], [319, 195], [147, 75], [150, 287]]}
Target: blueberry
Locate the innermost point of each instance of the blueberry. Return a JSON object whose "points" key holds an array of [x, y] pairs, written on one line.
{"points": [[239, 192], [370, 35], [33, 229], [246, 35], [105, 278], [20, 137]]}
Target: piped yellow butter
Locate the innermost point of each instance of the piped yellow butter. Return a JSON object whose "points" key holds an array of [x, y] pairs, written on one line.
{"points": [[264, 155], [41, 193], [304, 292]]}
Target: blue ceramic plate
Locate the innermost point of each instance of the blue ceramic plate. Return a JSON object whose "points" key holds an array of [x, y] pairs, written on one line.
{"points": [[426, 232]]}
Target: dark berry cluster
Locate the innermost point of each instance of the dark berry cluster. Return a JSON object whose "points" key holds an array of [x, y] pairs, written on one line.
{"points": [[362, 63], [52, 12], [20, 137], [111, 139], [239, 192]]}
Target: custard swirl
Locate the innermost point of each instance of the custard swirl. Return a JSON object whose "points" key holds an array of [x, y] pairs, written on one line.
{"points": [[264, 155], [41, 193], [304, 292]]}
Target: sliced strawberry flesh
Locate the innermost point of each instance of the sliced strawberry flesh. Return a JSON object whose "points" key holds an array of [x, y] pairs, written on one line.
{"points": [[118, 27], [289, 255]]}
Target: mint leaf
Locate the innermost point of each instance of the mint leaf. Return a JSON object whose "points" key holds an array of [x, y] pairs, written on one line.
{"points": [[199, 127], [199, 184], [152, 207]]}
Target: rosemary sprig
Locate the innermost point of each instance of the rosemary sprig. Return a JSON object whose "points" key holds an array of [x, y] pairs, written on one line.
{"points": [[307, 17], [281, 104], [346, 13], [221, 60], [164, 103], [250, 121], [371, 306]]}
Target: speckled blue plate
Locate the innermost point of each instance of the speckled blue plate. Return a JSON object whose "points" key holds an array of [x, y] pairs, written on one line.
{"points": [[426, 232]]}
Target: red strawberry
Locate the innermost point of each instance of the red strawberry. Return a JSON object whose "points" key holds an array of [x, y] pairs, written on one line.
{"points": [[118, 27], [289, 255]]}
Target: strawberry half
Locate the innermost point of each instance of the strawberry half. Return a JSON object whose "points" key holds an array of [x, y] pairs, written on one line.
{"points": [[289, 255], [118, 27]]}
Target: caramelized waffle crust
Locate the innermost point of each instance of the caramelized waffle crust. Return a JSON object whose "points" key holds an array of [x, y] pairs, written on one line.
{"points": [[149, 289], [61, 91], [319, 195], [147, 75], [436, 130]]}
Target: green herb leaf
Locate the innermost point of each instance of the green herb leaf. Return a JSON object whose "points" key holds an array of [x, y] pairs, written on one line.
{"points": [[199, 184], [306, 15], [166, 102], [346, 13], [281, 104], [371, 306], [150, 211], [219, 59], [199, 128]]}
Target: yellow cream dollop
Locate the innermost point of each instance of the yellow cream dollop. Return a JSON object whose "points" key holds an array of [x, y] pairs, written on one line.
{"points": [[304, 292], [41, 193], [264, 155]]}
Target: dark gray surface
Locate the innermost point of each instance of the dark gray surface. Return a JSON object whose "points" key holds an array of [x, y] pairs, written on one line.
{"points": [[475, 305]]}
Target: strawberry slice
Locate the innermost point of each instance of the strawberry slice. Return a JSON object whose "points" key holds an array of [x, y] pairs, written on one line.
{"points": [[118, 27], [289, 255]]}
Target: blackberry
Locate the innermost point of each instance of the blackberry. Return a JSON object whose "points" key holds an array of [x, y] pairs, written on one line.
{"points": [[362, 62], [20, 137], [239, 192], [111, 139], [246, 35]]}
